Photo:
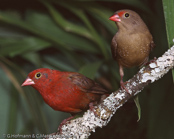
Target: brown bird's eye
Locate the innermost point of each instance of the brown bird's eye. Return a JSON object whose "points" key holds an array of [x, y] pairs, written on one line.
{"points": [[126, 15], [38, 75]]}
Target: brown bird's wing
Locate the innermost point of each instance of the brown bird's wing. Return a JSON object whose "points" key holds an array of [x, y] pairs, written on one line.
{"points": [[152, 45], [114, 47], [87, 85]]}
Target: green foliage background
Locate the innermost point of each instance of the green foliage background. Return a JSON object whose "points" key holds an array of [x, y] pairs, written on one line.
{"points": [[75, 36]]}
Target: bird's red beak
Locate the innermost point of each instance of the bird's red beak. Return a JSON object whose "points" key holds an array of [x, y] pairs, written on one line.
{"points": [[28, 81], [115, 18]]}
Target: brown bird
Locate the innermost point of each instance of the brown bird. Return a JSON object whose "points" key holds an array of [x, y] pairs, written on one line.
{"points": [[132, 44]]}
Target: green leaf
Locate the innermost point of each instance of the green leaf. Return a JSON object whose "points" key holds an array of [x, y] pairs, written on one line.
{"points": [[12, 119], [16, 21], [12, 47], [136, 100], [59, 62], [33, 58], [102, 15], [63, 39], [43, 26], [5, 103], [134, 3], [90, 69], [6, 32], [102, 44], [28, 98], [168, 6], [65, 24]]}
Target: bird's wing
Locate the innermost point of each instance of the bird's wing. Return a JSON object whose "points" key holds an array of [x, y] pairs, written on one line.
{"points": [[114, 47], [87, 85]]}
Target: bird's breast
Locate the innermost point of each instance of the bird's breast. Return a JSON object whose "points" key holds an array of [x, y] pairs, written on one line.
{"points": [[132, 49], [68, 98]]}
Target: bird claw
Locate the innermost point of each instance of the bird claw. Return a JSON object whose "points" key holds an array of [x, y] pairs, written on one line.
{"points": [[152, 61], [91, 106], [122, 84]]}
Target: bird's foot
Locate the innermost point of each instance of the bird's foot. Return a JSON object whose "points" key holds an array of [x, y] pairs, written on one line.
{"points": [[63, 123], [122, 84], [152, 61], [91, 107]]}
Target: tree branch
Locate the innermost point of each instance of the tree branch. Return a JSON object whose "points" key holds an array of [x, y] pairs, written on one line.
{"points": [[81, 128]]}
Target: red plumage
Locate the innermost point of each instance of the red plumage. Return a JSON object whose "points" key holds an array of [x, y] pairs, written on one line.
{"points": [[65, 91]]}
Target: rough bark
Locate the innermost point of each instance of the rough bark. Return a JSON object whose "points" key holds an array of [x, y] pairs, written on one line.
{"points": [[82, 127]]}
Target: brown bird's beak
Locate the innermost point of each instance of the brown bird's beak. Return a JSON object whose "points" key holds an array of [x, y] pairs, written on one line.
{"points": [[115, 18], [28, 81]]}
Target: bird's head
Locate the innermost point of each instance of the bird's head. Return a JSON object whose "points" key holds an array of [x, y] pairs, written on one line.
{"points": [[127, 19], [38, 78]]}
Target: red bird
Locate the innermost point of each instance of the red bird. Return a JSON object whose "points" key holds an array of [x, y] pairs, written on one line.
{"points": [[65, 91]]}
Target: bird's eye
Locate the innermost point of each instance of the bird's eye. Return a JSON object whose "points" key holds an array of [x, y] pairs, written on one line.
{"points": [[38, 75], [126, 15]]}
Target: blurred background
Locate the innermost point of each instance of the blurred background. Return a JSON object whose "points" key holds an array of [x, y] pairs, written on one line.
{"points": [[75, 36]]}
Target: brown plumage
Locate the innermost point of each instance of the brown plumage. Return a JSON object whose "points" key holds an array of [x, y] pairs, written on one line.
{"points": [[132, 44]]}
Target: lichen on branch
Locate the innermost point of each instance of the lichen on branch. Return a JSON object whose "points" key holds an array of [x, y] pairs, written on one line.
{"points": [[82, 127]]}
